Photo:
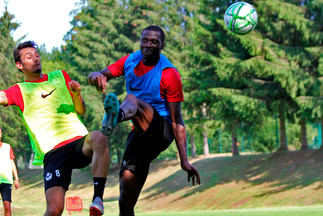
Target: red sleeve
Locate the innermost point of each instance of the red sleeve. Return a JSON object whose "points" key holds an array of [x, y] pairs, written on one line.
{"points": [[14, 97], [67, 80], [12, 156], [117, 68], [171, 86]]}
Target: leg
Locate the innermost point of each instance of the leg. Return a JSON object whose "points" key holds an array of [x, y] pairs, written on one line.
{"points": [[7, 208], [130, 187], [55, 197], [96, 146], [140, 112]]}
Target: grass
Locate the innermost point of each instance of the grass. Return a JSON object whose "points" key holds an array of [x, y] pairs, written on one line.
{"points": [[283, 183], [283, 211]]}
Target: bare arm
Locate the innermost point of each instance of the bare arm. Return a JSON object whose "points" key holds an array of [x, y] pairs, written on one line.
{"points": [[15, 173], [3, 98], [99, 79], [78, 101], [181, 141]]}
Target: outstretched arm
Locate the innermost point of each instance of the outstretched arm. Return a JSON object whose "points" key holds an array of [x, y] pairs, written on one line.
{"points": [[15, 173], [3, 98], [99, 79], [79, 104], [181, 142]]}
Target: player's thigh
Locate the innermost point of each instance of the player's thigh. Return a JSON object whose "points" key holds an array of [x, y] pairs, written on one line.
{"points": [[95, 140]]}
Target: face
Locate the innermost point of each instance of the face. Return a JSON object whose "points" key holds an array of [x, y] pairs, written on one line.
{"points": [[30, 61], [151, 45]]}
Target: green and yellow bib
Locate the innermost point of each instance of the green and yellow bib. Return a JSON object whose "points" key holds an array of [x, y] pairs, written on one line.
{"points": [[5, 164], [49, 114]]}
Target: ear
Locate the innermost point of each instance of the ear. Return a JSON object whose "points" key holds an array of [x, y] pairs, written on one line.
{"points": [[163, 45], [19, 66]]}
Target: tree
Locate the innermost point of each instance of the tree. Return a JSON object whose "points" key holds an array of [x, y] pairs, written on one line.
{"points": [[12, 126]]}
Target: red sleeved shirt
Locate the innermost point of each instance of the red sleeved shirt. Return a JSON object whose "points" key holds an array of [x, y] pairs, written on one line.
{"points": [[170, 83], [12, 156], [14, 95]]}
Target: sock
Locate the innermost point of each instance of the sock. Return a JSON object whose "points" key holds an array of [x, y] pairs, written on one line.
{"points": [[99, 185], [121, 115]]}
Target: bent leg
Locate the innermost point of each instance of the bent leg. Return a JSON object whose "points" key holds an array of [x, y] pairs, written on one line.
{"points": [[140, 112], [96, 147], [130, 187], [55, 197], [7, 208]]}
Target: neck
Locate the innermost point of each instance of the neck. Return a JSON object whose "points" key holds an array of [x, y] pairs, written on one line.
{"points": [[150, 62], [33, 77]]}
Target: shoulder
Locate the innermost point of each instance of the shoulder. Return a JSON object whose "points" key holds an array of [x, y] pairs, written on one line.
{"points": [[171, 73]]}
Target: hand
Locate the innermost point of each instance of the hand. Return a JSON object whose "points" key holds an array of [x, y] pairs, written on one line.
{"points": [[191, 173], [17, 183], [98, 80], [75, 87]]}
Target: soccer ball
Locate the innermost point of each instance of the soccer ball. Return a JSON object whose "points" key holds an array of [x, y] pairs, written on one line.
{"points": [[241, 18]]}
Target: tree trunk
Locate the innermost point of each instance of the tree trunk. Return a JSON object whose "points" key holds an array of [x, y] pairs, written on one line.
{"points": [[119, 156], [321, 132], [282, 130], [193, 150], [304, 145], [205, 142], [235, 151], [26, 159]]}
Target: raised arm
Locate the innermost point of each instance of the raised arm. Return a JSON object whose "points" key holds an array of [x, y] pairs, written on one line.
{"points": [[3, 98], [181, 141], [79, 104], [99, 79]]}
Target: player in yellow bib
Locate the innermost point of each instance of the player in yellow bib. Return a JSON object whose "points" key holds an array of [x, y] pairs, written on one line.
{"points": [[7, 168], [50, 106]]}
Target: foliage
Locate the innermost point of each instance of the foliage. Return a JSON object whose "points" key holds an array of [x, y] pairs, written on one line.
{"points": [[13, 129]]}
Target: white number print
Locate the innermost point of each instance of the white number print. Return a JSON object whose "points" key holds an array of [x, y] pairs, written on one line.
{"points": [[57, 173]]}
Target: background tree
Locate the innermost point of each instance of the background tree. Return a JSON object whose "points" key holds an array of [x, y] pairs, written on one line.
{"points": [[12, 126]]}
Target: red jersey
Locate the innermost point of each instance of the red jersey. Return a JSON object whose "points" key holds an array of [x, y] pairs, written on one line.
{"points": [[170, 83]]}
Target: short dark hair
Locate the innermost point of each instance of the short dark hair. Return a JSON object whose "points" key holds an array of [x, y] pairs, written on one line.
{"points": [[155, 28], [16, 51]]}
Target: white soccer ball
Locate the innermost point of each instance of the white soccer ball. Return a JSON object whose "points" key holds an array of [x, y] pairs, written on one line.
{"points": [[241, 18]]}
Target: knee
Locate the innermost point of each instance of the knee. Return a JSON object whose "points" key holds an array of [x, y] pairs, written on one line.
{"points": [[7, 206], [54, 210], [99, 141], [126, 201], [131, 97]]}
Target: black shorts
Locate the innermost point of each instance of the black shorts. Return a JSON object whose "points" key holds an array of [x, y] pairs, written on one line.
{"points": [[143, 148], [5, 190], [58, 164]]}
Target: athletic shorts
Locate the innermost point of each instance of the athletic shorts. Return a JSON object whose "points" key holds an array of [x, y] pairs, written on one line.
{"points": [[143, 148], [58, 164], [5, 190]]}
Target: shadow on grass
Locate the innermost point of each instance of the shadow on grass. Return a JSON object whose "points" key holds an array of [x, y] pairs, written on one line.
{"points": [[281, 170]]}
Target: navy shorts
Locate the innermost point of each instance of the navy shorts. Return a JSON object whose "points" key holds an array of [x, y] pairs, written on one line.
{"points": [[143, 148], [5, 190], [59, 163]]}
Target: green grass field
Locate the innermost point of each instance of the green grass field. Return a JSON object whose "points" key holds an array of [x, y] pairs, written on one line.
{"points": [[280, 184], [284, 211]]}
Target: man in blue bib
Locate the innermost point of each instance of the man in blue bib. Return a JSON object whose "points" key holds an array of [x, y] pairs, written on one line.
{"points": [[153, 103]]}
